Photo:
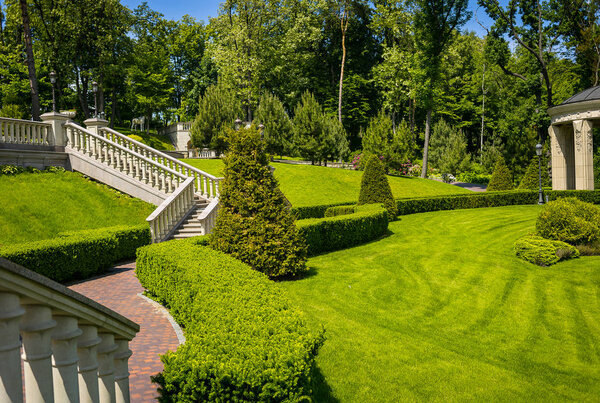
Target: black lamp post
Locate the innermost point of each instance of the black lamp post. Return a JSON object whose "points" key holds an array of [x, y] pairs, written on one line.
{"points": [[95, 89], [538, 151], [53, 82]]}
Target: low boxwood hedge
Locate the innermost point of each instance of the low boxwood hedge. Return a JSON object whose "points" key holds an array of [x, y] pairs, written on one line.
{"points": [[543, 252], [245, 341], [81, 254], [368, 222], [318, 211], [340, 210]]}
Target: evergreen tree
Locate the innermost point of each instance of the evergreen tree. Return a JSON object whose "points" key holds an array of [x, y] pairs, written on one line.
{"points": [[254, 223], [218, 110], [448, 150], [375, 188], [531, 178], [334, 144], [377, 135], [278, 126], [308, 127], [501, 177]]}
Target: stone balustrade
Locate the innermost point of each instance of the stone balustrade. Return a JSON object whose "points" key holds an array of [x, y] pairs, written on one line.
{"points": [[124, 159], [208, 217], [205, 184], [73, 349], [17, 131], [165, 219]]}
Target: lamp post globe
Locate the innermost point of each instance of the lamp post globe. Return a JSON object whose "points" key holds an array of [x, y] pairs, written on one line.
{"points": [[538, 151]]}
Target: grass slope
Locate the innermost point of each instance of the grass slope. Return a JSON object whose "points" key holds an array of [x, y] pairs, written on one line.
{"points": [[443, 310], [152, 139], [307, 185], [39, 206]]}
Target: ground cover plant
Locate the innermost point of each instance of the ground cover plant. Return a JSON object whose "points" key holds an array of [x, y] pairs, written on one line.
{"points": [[452, 314], [254, 223], [542, 251], [308, 185], [42, 205], [245, 340]]}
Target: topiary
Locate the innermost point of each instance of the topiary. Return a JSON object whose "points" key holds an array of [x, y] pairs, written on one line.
{"points": [[375, 188], [531, 178], [254, 223], [569, 220], [501, 177]]}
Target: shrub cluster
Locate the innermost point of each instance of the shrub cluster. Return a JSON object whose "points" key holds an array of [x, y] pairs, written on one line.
{"points": [[340, 210], [501, 177], [15, 169], [570, 220], [369, 222], [375, 188], [254, 223], [244, 339], [543, 252], [81, 254]]}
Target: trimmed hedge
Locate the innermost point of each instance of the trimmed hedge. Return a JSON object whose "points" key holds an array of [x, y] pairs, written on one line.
{"points": [[543, 252], [339, 210], [304, 212], [245, 341], [81, 254], [369, 222]]}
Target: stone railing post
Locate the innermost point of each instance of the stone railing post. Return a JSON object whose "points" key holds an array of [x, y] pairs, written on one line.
{"points": [[122, 371], [58, 136], [106, 369], [64, 359], [87, 349], [11, 386], [95, 124]]}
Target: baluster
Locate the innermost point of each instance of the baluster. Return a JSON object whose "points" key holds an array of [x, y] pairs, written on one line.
{"points": [[11, 386], [3, 137], [11, 137], [122, 371], [144, 173], [106, 369], [217, 191], [27, 134], [87, 350], [205, 189], [36, 329], [64, 360]]}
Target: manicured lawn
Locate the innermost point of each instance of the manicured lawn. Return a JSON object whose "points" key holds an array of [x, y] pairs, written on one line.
{"points": [[307, 185], [152, 139], [443, 310], [39, 206]]}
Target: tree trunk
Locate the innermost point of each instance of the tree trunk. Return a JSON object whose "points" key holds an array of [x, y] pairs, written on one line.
{"points": [[33, 83], [344, 25], [482, 108], [426, 146]]}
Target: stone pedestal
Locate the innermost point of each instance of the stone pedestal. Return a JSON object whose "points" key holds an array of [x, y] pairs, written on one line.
{"points": [[95, 124], [57, 120]]}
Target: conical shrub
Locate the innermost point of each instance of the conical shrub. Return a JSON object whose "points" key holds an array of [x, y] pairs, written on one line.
{"points": [[375, 188], [254, 223], [531, 178], [501, 177]]}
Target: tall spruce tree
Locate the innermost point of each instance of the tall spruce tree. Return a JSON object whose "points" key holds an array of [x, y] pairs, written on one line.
{"points": [[254, 223], [278, 126]]}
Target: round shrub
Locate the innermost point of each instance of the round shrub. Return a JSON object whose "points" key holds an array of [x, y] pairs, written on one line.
{"points": [[136, 138], [375, 188], [569, 220], [543, 252], [501, 177]]}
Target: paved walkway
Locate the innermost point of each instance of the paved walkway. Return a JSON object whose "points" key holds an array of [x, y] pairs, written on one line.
{"points": [[120, 291]]}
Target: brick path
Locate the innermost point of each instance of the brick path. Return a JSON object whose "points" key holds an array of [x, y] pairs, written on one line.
{"points": [[119, 291]]}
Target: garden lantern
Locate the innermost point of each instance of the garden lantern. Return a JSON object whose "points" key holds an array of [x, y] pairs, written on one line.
{"points": [[52, 76], [538, 151], [95, 90]]}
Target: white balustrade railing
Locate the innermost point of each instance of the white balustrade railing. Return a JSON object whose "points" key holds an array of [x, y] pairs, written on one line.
{"points": [[173, 209], [124, 159], [17, 131], [74, 349], [208, 217], [205, 184]]}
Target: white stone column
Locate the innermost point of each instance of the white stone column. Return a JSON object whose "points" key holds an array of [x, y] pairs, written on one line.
{"points": [[559, 162], [95, 124], [64, 359], [106, 370], [58, 136], [584, 155], [122, 371], [87, 350], [11, 386], [36, 330]]}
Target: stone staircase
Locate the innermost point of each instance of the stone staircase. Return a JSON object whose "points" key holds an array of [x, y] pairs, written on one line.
{"points": [[192, 225]]}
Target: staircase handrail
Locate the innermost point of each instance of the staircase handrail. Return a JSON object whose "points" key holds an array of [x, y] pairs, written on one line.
{"points": [[56, 326], [35, 138], [125, 149], [169, 214], [32, 122], [177, 164]]}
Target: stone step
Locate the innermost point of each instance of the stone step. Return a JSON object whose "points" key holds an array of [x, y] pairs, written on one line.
{"points": [[191, 224], [183, 230], [186, 235]]}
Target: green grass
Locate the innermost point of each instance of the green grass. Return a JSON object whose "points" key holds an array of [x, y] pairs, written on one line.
{"points": [[443, 310], [152, 139], [307, 185], [39, 206]]}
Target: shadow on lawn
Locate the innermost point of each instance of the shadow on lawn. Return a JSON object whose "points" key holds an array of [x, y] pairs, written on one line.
{"points": [[321, 390]]}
